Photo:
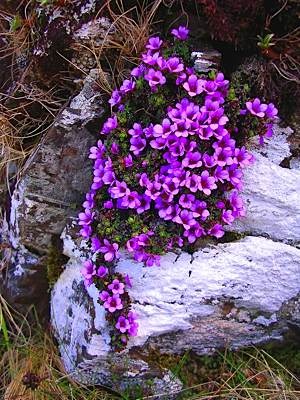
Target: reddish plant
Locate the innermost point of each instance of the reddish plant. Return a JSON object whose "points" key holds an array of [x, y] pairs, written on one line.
{"points": [[234, 21]]}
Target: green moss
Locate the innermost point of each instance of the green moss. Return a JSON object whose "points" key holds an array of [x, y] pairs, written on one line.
{"points": [[232, 237], [54, 262], [157, 100]]}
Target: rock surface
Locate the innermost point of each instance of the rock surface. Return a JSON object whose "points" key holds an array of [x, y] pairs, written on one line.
{"points": [[230, 295], [271, 193], [50, 190], [57, 175]]}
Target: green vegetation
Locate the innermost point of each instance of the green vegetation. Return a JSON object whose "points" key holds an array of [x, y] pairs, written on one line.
{"points": [[30, 369], [54, 262]]}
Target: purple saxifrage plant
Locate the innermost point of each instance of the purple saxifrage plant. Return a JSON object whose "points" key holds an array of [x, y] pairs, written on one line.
{"points": [[166, 173]]}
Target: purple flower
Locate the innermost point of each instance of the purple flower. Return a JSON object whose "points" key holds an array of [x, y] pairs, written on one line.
{"points": [[86, 231], [102, 271], [109, 250], [271, 111], [155, 78], [133, 324], [159, 143], [237, 205], [116, 287], [108, 205], [206, 183], [128, 281], [132, 244], [234, 176], [138, 72], [144, 239], [154, 43], [115, 98], [96, 244], [104, 295], [86, 217], [181, 33], [163, 130], [192, 182], [193, 85], [137, 145], [194, 232], [145, 203], [227, 217], [186, 200], [217, 231], [269, 133], [144, 180], [97, 152], [136, 130], [256, 108], [152, 259], [223, 156], [208, 161], [122, 324], [221, 174], [180, 78], [221, 82], [88, 271], [109, 125], [131, 200], [89, 200], [192, 160], [153, 59], [128, 162], [171, 187], [185, 218], [119, 189], [102, 175], [199, 209], [242, 157], [217, 119], [174, 65], [113, 303], [115, 148], [127, 86]]}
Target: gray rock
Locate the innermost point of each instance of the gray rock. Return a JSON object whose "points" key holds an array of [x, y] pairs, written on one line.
{"points": [[57, 175], [229, 295], [206, 60], [50, 190], [25, 284]]}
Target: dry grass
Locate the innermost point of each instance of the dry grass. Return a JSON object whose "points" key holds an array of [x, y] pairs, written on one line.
{"points": [[30, 366], [30, 369], [31, 104], [121, 46], [28, 104]]}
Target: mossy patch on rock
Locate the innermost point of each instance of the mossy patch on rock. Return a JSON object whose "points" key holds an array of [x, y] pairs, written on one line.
{"points": [[54, 261]]}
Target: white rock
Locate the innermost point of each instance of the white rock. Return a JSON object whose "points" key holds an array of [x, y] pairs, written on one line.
{"points": [[275, 148], [295, 163], [272, 198], [184, 304]]}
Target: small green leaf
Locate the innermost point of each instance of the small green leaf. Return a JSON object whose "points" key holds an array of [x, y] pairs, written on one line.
{"points": [[16, 23], [212, 74]]}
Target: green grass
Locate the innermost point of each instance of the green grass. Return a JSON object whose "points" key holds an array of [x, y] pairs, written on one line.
{"points": [[255, 374]]}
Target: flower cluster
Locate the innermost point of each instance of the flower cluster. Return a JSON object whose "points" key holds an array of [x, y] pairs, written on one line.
{"points": [[167, 171], [267, 113]]}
